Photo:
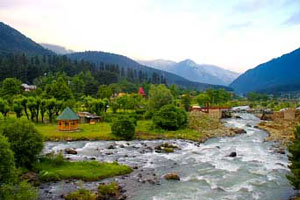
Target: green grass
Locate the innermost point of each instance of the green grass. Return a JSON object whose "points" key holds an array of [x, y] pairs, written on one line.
{"points": [[99, 131], [102, 131], [83, 170]]}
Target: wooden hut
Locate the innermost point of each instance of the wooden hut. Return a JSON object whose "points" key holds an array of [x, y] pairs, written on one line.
{"points": [[68, 120]]}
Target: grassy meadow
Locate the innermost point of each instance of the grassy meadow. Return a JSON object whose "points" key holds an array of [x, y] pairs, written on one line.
{"points": [[102, 131]]}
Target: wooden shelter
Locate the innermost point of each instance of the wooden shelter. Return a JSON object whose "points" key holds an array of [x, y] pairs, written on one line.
{"points": [[68, 120], [86, 117]]}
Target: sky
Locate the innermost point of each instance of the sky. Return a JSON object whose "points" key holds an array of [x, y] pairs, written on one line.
{"points": [[233, 34]]}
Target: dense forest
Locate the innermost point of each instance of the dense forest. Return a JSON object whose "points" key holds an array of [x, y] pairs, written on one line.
{"points": [[29, 68]]}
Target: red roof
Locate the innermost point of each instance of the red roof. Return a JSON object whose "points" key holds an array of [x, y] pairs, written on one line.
{"points": [[141, 91]]}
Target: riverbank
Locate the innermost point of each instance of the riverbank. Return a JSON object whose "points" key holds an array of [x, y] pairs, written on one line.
{"points": [[280, 130], [198, 130]]}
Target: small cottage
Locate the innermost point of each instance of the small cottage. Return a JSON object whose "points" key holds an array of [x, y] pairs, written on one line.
{"points": [[86, 117], [68, 120]]}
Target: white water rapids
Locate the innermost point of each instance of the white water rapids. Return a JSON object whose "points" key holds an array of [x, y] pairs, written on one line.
{"points": [[206, 171]]}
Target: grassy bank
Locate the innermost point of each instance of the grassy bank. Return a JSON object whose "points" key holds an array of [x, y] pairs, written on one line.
{"points": [[53, 170], [102, 131]]}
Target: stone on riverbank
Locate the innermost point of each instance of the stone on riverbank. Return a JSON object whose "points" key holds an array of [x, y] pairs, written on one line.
{"points": [[70, 151], [172, 176]]}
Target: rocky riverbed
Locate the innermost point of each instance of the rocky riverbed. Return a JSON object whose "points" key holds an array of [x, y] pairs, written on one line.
{"points": [[239, 167]]}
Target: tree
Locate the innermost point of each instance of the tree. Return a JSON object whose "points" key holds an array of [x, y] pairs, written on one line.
{"points": [[170, 117], [7, 162], [202, 99], [186, 101], [77, 86], [104, 92], [50, 106], [43, 108], [24, 102], [17, 107], [32, 105], [174, 90], [26, 142], [4, 107], [10, 87], [294, 158], [159, 96], [123, 127]]}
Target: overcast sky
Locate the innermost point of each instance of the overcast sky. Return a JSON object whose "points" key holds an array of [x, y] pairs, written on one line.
{"points": [[234, 34]]}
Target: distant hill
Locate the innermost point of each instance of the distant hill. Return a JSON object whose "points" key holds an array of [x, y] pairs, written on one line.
{"points": [[195, 72], [98, 57], [57, 49], [12, 41], [278, 75]]}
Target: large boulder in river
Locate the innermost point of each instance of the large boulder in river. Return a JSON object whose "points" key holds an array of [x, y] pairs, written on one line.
{"points": [[172, 176], [232, 154], [70, 151]]}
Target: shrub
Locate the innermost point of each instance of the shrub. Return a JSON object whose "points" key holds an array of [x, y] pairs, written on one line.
{"points": [[170, 117], [123, 127], [7, 162], [26, 142], [54, 159], [294, 149], [20, 191], [149, 114], [81, 194], [108, 191]]}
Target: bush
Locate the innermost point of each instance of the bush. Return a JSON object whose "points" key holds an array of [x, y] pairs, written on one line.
{"points": [[149, 114], [108, 191], [81, 194], [170, 117], [294, 149], [25, 141], [20, 191], [123, 127], [7, 162]]}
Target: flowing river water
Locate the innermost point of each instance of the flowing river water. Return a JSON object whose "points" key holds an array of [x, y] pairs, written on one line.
{"points": [[206, 170]]}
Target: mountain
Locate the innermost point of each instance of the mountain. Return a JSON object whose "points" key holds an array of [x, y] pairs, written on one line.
{"points": [[98, 58], [278, 75], [195, 72], [12, 41], [57, 49]]}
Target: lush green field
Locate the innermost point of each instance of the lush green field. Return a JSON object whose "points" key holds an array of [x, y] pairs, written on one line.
{"points": [[84, 170], [101, 131]]}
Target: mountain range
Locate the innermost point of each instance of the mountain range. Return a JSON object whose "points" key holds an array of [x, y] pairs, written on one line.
{"points": [[275, 76], [99, 57], [12, 41], [188, 69]]}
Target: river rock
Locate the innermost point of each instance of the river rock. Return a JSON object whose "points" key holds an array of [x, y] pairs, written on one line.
{"points": [[238, 130], [111, 147], [281, 151], [30, 177], [70, 151], [172, 176], [165, 148], [232, 154]]}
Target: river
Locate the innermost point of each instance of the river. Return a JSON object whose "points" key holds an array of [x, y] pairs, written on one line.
{"points": [[206, 170]]}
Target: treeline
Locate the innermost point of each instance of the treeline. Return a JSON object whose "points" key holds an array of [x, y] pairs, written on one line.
{"points": [[28, 68]]}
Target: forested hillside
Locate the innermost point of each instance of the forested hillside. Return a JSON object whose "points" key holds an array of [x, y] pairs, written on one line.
{"points": [[135, 70], [12, 41], [278, 75]]}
